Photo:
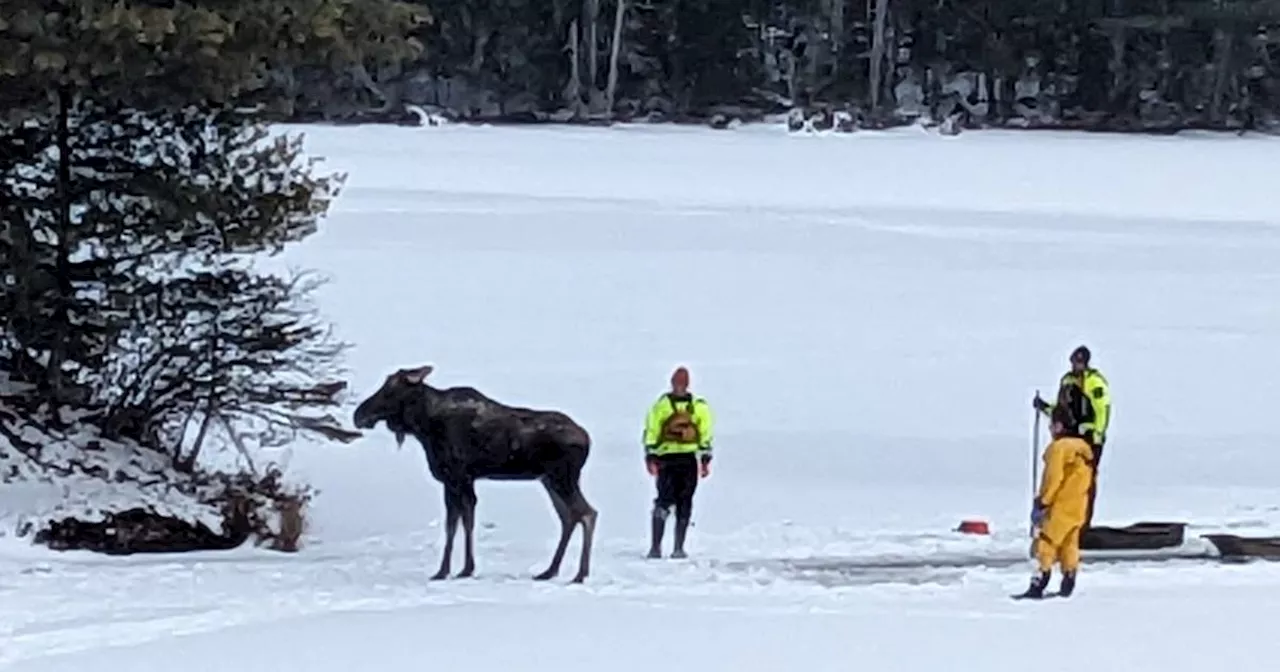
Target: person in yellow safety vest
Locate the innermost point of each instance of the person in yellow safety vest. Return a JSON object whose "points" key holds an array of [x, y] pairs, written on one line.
{"points": [[1059, 507], [1092, 410], [677, 451]]}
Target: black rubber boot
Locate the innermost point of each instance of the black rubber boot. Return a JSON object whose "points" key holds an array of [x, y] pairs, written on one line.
{"points": [[1068, 584], [659, 527], [1039, 582], [682, 528]]}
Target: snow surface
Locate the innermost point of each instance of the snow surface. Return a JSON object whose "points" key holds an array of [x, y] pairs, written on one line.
{"points": [[869, 315]]}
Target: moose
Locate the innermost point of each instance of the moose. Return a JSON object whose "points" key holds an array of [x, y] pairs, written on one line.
{"points": [[468, 436]]}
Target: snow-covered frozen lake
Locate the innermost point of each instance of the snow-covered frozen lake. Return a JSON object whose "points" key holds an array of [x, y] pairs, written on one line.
{"points": [[869, 317]]}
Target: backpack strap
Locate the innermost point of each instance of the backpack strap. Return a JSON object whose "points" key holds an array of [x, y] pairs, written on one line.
{"points": [[675, 409]]}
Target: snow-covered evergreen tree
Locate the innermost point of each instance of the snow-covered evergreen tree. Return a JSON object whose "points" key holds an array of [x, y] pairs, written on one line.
{"points": [[138, 188]]}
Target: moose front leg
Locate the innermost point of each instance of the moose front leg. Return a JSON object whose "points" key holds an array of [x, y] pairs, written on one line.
{"points": [[467, 504], [452, 511]]}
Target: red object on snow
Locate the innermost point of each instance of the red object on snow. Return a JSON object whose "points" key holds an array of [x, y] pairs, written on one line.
{"points": [[974, 527]]}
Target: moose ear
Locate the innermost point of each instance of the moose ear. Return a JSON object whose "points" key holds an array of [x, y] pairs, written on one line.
{"points": [[415, 376]]}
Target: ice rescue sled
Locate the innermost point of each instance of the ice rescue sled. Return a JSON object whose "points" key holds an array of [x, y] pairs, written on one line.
{"points": [[1143, 541], [1160, 541]]}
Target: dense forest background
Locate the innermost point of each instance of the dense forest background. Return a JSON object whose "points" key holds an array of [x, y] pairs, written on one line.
{"points": [[1103, 64]]}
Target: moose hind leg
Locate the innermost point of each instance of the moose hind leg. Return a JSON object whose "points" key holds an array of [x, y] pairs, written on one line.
{"points": [[452, 513], [566, 529], [583, 512]]}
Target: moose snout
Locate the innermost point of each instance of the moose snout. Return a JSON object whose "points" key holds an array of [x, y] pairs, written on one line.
{"points": [[363, 419]]}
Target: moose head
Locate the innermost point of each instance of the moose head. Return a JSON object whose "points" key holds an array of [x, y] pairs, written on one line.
{"points": [[388, 403]]}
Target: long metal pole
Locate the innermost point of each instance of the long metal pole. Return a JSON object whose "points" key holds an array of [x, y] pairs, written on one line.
{"points": [[1035, 462]]}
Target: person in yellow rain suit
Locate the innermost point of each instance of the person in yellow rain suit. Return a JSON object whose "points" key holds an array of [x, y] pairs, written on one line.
{"points": [[1060, 505], [677, 451], [1088, 394]]}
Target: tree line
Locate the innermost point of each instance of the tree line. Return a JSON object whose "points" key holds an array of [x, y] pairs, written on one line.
{"points": [[1099, 64]]}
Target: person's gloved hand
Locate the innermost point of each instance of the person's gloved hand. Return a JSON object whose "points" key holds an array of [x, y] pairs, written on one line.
{"points": [[1039, 404], [651, 464], [1037, 513], [704, 468]]}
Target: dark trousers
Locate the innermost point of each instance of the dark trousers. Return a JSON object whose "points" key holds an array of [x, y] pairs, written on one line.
{"points": [[677, 481], [1093, 485]]}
